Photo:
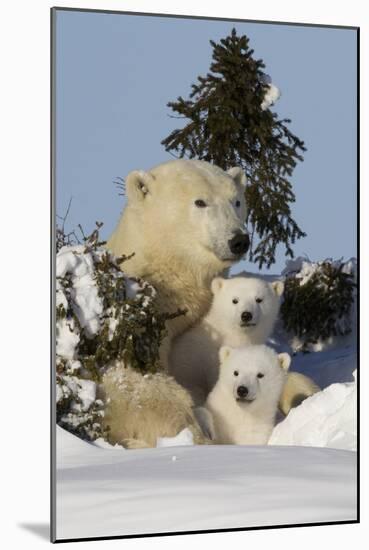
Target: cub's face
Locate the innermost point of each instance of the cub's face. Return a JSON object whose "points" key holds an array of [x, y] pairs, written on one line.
{"points": [[198, 208], [245, 302], [253, 373]]}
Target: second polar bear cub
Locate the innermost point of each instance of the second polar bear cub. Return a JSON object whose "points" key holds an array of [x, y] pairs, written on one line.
{"points": [[244, 401], [243, 313]]}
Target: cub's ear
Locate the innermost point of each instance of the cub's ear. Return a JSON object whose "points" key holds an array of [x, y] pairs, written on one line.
{"points": [[216, 284], [138, 185], [238, 175], [224, 353], [278, 287], [284, 360]]}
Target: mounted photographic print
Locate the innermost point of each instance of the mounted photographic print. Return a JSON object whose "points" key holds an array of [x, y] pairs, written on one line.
{"points": [[205, 280]]}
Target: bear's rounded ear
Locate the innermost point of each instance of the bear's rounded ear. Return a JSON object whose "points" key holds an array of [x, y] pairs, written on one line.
{"points": [[278, 287], [216, 284], [138, 185], [284, 360], [238, 175], [224, 353]]}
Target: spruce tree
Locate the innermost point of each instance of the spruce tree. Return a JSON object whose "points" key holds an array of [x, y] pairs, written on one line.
{"points": [[229, 127]]}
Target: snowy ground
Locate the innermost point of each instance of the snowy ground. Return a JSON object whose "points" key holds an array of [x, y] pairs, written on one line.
{"points": [[112, 491], [328, 418], [306, 474], [115, 492]]}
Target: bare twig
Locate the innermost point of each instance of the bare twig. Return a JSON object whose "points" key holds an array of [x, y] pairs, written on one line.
{"points": [[82, 232], [66, 214]]}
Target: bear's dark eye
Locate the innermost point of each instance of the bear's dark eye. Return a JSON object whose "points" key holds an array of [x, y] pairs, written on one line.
{"points": [[200, 203], [235, 301], [236, 373], [260, 375], [238, 204], [259, 300]]}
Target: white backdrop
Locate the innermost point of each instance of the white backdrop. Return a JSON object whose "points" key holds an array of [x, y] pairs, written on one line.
{"points": [[25, 199]]}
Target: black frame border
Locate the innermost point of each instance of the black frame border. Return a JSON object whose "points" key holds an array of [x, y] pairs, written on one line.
{"points": [[53, 11]]}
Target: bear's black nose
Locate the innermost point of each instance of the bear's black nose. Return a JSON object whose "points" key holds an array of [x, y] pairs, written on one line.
{"points": [[242, 391], [246, 316], [239, 244]]}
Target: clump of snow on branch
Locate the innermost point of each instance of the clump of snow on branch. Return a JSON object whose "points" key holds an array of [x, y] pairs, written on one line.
{"points": [[304, 269], [271, 95], [75, 263], [326, 419]]}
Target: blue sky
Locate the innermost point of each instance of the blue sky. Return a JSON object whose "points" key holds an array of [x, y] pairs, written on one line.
{"points": [[116, 73]]}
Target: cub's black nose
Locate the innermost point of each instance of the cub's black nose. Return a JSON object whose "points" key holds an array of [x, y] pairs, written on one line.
{"points": [[242, 391], [246, 316], [239, 244]]}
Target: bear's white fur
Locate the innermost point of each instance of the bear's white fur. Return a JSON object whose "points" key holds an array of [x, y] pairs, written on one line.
{"points": [[243, 313], [142, 408], [179, 247], [243, 403]]}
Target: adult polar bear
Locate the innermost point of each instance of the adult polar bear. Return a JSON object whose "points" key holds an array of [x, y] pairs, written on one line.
{"points": [[184, 222]]}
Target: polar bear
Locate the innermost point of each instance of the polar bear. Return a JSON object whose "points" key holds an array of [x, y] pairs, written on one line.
{"points": [[244, 401], [142, 408], [296, 389], [184, 223], [243, 313]]}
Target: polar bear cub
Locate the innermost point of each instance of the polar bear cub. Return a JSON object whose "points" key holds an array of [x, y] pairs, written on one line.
{"points": [[243, 313], [244, 401]]}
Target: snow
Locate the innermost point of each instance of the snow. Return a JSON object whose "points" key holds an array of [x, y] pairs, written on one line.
{"points": [[184, 437], [113, 323], [86, 393], [85, 389], [326, 419], [102, 444], [103, 492], [132, 288], [307, 473], [304, 264], [73, 261], [305, 269], [271, 96], [67, 338], [78, 263], [59, 393]]}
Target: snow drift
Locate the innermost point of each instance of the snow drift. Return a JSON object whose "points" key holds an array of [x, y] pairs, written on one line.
{"points": [[103, 492], [326, 419]]}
